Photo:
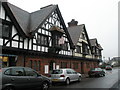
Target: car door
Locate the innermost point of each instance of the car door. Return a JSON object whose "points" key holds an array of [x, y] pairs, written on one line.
{"points": [[18, 78], [75, 75], [70, 74], [35, 80]]}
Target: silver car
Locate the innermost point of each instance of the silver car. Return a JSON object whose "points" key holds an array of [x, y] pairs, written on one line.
{"points": [[65, 75]]}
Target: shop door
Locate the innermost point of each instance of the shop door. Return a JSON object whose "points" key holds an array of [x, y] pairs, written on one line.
{"points": [[12, 61]]}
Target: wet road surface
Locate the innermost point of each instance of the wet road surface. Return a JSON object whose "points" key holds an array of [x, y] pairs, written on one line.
{"points": [[95, 82]]}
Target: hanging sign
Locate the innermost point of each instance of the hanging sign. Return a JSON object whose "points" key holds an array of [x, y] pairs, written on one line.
{"points": [[5, 59]]}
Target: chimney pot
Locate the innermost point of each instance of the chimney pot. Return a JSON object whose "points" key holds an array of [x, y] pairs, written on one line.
{"points": [[72, 23]]}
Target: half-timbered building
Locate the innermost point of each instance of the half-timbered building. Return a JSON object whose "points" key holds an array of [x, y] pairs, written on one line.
{"points": [[96, 49], [83, 46], [40, 40], [80, 39]]}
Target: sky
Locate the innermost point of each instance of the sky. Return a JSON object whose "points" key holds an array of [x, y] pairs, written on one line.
{"points": [[99, 16]]}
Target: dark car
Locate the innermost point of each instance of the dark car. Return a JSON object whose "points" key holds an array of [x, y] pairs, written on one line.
{"points": [[108, 68], [96, 72], [18, 78]]}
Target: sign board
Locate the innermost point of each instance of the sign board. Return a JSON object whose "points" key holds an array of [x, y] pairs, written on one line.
{"points": [[57, 66], [46, 69], [5, 59]]}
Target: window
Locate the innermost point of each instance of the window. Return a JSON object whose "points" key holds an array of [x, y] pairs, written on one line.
{"points": [[39, 65], [78, 49], [30, 72], [42, 40], [57, 72], [7, 72], [88, 65], [35, 65], [68, 71], [83, 36], [5, 28], [63, 64], [31, 63], [65, 46], [85, 48], [17, 72], [75, 65], [56, 39]]}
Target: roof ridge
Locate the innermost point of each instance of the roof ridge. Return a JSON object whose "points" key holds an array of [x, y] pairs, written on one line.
{"points": [[17, 7], [46, 6]]}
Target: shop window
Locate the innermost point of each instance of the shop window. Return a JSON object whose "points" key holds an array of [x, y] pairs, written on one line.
{"points": [[88, 65], [75, 65], [63, 64], [35, 65], [39, 65], [31, 62]]}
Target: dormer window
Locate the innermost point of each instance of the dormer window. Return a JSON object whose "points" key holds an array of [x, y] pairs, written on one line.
{"points": [[83, 36], [85, 48], [57, 38]]}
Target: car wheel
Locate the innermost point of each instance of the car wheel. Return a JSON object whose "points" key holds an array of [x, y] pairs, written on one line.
{"points": [[104, 74], [90, 76], [67, 81], [45, 86], [79, 79], [9, 88]]}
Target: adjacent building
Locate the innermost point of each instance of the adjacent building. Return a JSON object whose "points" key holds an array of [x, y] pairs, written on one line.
{"points": [[42, 41]]}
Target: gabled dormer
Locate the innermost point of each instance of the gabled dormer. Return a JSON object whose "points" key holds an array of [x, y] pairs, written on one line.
{"points": [[80, 39], [96, 48]]}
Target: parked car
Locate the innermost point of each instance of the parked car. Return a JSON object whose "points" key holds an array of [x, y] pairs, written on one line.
{"points": [[15, 78], [65, 75], [96, 72], [108, 68]]}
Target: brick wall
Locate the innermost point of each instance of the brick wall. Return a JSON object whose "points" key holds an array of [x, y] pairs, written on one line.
{"points": [[38, 63]]}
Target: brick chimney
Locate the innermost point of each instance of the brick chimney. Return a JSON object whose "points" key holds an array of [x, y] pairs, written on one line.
{"points": [[72, 23]]}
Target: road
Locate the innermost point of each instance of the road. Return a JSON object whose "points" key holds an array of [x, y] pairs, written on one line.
{"points": [[96, 82]]}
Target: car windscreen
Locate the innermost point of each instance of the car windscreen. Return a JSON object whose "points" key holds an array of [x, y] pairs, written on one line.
{"points": [[108, 66], [57, 71], [96, 69]]}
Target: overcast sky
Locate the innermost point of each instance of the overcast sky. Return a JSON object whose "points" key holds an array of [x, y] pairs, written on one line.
{"points": [[99, 16]]}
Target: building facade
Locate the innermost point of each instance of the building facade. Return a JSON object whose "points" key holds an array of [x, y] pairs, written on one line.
{"points": [[39, 40]]}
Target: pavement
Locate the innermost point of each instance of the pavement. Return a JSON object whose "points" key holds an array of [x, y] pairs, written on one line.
{"points": [[116, 85], [84, 75]]}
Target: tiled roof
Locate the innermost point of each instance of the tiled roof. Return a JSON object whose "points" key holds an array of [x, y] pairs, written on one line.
{"points": [[21, 16], [94, 42], [29, 22], [75, 32], [38, 17]]}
